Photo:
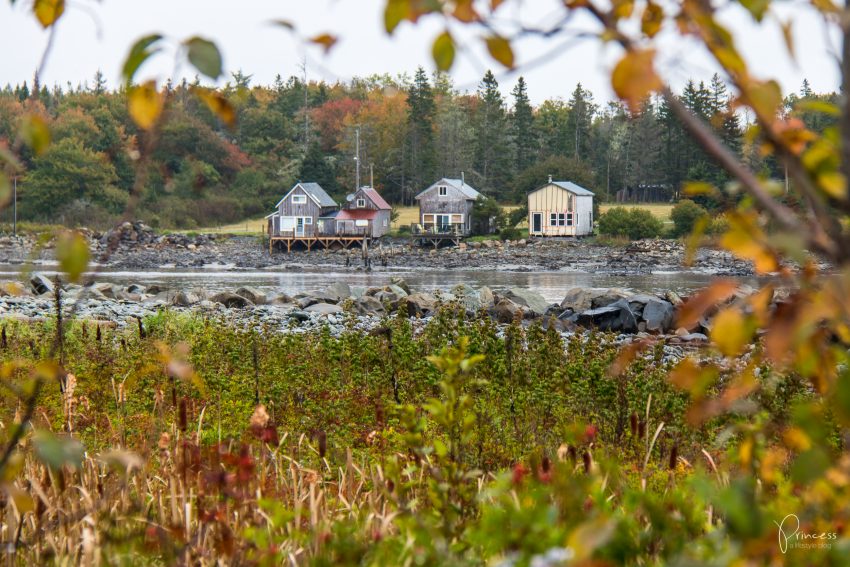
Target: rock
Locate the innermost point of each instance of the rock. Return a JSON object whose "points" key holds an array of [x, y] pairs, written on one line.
{"points": [[673, 298], [338, 291], [324, 308], [300, 316], [369, 305], [398, 290], [535, 302], [156, 289], [658, 315], [693, 337], [231, 300], [468, 297], [282, 299], [252, 294], [324, 296], [306, 301], [486, 297], [106, 289], [617, 316], [505, 310], [420, 304], [400, 282], [136, 288], [13, 289], [41, 284], [386, 297], [184, 299]]}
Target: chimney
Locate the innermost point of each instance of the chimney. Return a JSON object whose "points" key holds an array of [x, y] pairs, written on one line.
{"points": [[550, 178], [462, 179]]}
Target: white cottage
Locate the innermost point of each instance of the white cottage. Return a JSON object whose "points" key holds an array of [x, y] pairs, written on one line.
{"points": [[560, 208]]}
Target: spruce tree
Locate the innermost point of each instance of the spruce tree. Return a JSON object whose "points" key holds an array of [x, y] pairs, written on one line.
{"points": [[579, 122], [492, 161], [522, 126], [421, 157]]}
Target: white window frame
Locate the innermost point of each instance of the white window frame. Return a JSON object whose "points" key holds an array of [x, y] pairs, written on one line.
{"points": [[361, 203], [569, 219], [308, 220], [557, 219], [442, 191], [385, 222], [299, 199]]}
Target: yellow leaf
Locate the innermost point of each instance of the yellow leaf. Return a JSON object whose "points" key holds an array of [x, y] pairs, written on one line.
{"points": [[22, 500], [48, 11], [746, 240], [326, 40], [795, 438], [765, 97], [653, 17], [788, 36], [72, 251], [465, 11], [634, 77], [500, 49], [623, 9], [144, 104], [35, 133], [729, 331], [218, 105], [693, 309], [833, 184], [443, 51]]}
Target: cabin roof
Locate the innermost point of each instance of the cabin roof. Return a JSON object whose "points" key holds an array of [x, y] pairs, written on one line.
{"points": [[357, 214], [568, 186], [468, 190], [315, 191], [376, 198]]}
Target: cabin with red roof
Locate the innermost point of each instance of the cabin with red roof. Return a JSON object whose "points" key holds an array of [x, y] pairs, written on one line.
{"points": [[364, 213]]}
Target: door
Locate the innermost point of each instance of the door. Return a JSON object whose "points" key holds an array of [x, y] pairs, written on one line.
{"points": [[536, 222], [443, 223], [299, 226]]}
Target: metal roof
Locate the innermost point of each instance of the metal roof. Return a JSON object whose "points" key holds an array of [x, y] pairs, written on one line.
{"points": [[316, 193], [468, 190], [571, 187], [376, 198]]}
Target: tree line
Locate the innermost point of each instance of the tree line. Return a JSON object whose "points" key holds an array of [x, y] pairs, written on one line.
{"points": [[413, 130]]}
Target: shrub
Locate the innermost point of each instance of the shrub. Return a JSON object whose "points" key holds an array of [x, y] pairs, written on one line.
{"points": [[685, 215], [633, 224], [510, 233]]}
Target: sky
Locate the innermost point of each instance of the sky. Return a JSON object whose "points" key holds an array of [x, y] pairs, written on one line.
{"points": [[96, 35]]}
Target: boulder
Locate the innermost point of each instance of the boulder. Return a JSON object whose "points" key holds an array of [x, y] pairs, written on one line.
{"points": [[231, 300], [136, 288], [505, 310], [14, 289], [486, 297], [156, 288], [398, 290], [306, 301], [673, 298], [338, 291], [386, 297], [41, 284], [468, 297], [617, 316], [658, 315], [324, 308], [400, 282], [299, 316], [282, 299], [369, 305], [325, 296], [535, 302], [106, 289], [420, 304], [252, 294], [184, 299]]}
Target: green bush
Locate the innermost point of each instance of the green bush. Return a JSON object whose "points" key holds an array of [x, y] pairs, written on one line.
{"points": [[510, 233], [685, 216], [633, 224]]}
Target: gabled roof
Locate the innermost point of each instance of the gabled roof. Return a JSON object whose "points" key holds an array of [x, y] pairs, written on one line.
{"points": [[315, 191], [467, 190], [569, 186], [376, 198]]}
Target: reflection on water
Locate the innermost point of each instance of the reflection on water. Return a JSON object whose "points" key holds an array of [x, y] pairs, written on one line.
{"points": [[552, 285]]}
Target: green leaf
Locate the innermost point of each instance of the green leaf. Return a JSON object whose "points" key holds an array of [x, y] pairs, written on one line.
{"points": [[47, 12], [443, 51], [500, 49], [205, 56], [72, 251], [139, 53], [35, 133], [56, 452], [758, 8]]}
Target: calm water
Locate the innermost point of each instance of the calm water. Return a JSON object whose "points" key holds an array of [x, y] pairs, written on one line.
{"points": [[552, 285]]}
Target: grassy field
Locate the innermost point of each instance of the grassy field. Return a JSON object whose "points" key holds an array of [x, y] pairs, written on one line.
{"points": [[660, 210]]}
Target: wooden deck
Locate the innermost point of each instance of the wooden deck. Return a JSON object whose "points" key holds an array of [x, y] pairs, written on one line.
{"points": [[324, 242]]}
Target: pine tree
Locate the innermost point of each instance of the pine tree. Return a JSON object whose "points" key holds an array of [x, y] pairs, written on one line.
{"points": [[421, 158], [579, 122], [99, 83], [492, 161], [522, 126], [315, 168]]}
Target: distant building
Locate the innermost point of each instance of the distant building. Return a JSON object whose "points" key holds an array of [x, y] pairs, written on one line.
{"points": [[560, 208], [446, 207], [306, 211], [364, 212]]}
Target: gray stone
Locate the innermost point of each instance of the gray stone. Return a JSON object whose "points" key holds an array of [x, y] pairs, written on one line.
{"points": [[486, 297], [369, 305], [300, 316], [400, 282], [306, 301], [183, 298], [324, 308], [41, 284], [468, 297], [339, 291], [136, 288], [231, 300], [658, 315], [617, 316], [156, 289], [420, 304], [535, 302], [106, 289], [252, 294], [693, 337], [505, 310], [386, 297], [282, 299]]}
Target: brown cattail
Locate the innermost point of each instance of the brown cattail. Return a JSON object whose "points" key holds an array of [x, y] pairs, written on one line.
{"points": [[97, 337], [642, 429], [587, 461], [674, 457], [141, 328], [633, 423], [84, 330], [322, 439], [571, 451], [182, 413], [3, 342]]}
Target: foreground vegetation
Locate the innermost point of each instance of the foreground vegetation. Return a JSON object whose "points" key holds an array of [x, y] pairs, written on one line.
{"points": [[457, 443]]}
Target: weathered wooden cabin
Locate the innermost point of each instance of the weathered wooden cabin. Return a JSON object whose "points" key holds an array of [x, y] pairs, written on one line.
{"points": [[446, 208], [364, 212], [306, 211], [560, 208]]}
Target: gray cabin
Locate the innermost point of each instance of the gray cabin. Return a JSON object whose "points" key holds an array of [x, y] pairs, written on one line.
{"points": [[364, 213], [446, 207], [306, 211]]}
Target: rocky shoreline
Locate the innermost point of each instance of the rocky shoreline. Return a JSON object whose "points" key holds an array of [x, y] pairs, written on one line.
{"points": [[135, 246]]}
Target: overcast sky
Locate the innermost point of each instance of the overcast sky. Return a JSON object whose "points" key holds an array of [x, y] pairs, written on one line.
{"points": [[96, 35]]}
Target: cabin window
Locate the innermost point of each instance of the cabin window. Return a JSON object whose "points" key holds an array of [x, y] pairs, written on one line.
{"points": [[557, 219], [443, 190], [385, 222], [361, 203], [361, 222], [308, 220], [569, 219], [457, 219], [299, 199], [427, 219]]}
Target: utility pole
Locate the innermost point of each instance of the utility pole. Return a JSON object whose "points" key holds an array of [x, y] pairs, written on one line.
{"points": [[372, 175], [306, 114], [15, 208], [357, 158]]}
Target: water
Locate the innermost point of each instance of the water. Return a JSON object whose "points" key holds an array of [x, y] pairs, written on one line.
{"points": [[552, 285]]}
